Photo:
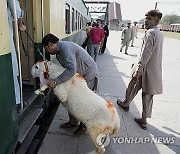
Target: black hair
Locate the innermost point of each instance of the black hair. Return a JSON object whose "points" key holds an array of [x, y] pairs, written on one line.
{"points": [[49, 38], [89, 23], [154, 13]]}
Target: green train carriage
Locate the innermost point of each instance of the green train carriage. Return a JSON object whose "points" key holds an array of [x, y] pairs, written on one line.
{"points": [[67, 20]]}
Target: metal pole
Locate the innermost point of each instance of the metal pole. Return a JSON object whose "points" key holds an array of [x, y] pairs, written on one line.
{"points": [[42, 20], [156, 5], [18, 51]]}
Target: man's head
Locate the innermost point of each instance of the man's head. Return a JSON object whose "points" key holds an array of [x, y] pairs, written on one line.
{"points": [[98, 22], [128, 24], [89, 23], [50, 43], [152, 18], [135, 23]]}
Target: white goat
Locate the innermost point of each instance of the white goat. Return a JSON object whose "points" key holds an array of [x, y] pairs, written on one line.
{"points": [[99, 116]]}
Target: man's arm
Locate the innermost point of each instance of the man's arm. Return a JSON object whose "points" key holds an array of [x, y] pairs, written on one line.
{"points": [[70, 65], [122, 35], [19, 13], [148, 49], [146, 54]]}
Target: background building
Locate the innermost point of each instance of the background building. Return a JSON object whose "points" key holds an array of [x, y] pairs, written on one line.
{"points": [[115, 16]]}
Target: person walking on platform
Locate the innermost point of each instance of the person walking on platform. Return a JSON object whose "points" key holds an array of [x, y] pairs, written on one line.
{"points": [[75, 60], [126, 37], [148, 75], [96, 35], [134, 33], [106, 32]]}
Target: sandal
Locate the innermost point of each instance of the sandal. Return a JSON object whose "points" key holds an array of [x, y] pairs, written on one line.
{"points": [[120, 103], [141, 124]]}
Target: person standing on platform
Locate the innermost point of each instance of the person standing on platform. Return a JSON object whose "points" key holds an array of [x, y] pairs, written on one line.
{"points": [[106, 32], [134, 33], [96, 35], [148, 75], [126, 37], [87, 40]]}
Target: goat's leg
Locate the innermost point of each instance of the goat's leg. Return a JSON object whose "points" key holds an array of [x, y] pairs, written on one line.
{"points": [[41, 90]]}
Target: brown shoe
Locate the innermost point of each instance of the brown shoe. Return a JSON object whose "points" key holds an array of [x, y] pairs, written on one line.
{"points": [[68, 125], [80, 130], [120, 103], [143, 125]]}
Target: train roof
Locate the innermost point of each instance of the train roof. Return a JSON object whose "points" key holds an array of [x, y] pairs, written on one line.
{"points": [[176, 24]]}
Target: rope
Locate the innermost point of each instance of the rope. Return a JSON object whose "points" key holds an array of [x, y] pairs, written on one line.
{"points": [[35, 45], [23, 46]]}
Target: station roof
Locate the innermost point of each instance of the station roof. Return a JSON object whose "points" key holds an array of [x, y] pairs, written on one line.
{"points": [[104, 7], [95, 1]]}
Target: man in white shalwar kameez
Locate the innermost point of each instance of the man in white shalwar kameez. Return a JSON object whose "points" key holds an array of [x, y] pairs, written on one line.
{"points": [[126, 37], [134, 33]]}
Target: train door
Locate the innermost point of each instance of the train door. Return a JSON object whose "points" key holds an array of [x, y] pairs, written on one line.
{"points": [[27, 45], [27, 57]]}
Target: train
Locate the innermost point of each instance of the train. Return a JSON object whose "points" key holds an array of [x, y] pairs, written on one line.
{"points": [[64, 18], [170, 27], [166, 27]]}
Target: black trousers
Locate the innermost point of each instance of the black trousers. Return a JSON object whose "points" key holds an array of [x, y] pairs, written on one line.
{"points": [[104, 45], [85, 43]]}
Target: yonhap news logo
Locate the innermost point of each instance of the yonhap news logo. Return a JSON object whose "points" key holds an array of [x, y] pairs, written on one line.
{"points": [[105, 140], [155, 140]]}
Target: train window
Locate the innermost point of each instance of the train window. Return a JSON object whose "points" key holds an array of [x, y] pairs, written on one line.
{"points": [[80, 21], [73, 26], [76, 22], [67, 28], [84, 24]]}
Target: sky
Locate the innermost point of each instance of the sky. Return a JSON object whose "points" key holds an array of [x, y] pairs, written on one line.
{"points": [[134, 10]]}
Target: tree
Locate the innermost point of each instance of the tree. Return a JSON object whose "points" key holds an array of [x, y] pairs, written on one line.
{"points": [[170, 19], [141, 21]]}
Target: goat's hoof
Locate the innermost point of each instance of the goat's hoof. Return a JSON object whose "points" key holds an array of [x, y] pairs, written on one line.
{"points": [[38, 92]]}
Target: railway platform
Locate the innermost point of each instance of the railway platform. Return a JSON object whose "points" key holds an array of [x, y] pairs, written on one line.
{"points": [[163, 133]]}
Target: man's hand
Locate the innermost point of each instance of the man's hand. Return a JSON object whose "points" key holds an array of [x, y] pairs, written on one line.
{"points": [[51, 84], [22, 28], [137, 74]]}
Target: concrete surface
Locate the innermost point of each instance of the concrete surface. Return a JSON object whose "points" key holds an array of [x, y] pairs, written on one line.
{"points": [[114, 71]]}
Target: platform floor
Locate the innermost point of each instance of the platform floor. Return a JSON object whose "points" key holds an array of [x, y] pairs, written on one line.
{"points": [[114, 71]]}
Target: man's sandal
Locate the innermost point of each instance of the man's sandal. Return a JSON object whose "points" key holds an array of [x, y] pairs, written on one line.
{"points": [[141, 124], [120, 103]]}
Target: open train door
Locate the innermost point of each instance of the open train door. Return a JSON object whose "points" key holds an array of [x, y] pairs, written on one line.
{"points": [[30, 51], [29, 42], [26, 46]]}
